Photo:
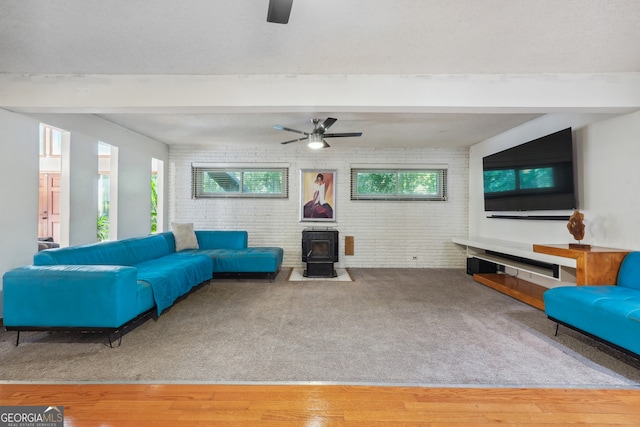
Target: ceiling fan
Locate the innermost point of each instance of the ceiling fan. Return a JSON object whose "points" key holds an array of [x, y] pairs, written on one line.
{"points": [[316, 137], [279, 11]]}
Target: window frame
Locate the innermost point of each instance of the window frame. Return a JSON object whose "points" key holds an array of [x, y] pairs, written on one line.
{"points": [[50, 141], [440, 170], [197, 181]]}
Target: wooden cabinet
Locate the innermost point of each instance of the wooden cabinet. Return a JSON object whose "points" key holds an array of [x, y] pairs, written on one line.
{"points": [[594, 265]]}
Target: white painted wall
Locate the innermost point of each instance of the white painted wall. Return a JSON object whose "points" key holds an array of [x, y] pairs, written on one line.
{"points": [[18, 190], [386, 234], [18, 202], [611, 152], [607, 151], [82, 166]]}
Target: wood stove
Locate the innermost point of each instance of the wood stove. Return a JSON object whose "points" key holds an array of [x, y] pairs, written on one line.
{"points": [[319, 251]]}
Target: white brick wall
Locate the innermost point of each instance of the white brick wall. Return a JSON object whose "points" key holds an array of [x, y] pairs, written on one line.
{"points": [[386, 234]]}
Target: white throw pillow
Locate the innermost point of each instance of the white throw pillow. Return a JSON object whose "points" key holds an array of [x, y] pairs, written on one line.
{"points": [[184, 235]]}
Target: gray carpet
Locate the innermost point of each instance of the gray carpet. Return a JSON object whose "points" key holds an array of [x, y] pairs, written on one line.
{"points": [[388, 326]]}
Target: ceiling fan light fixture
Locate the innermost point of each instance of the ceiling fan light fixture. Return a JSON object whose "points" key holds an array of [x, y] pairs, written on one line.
{"points": [[316, 142], [316, 139]]}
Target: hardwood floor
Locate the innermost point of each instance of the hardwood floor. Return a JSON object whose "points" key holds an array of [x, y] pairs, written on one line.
{"points": [[325, 405]]}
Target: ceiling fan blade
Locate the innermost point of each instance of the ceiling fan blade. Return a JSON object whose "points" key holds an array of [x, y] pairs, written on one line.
{"points": [[342, 135], [326, 124], [290, 130], [279, 11], [294, 140], [317, 135]]}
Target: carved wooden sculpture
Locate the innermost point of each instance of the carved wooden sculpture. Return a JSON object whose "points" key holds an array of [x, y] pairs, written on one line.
{"points": [[576, 225]]}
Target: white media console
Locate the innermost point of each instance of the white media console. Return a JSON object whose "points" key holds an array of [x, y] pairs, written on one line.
{"points": [[520, 256], [565, 264]]}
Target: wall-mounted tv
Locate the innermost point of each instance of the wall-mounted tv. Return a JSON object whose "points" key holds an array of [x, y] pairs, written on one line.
{"points": [[534, 176]]}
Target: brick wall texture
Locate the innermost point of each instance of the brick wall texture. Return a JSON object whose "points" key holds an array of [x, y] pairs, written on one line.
{"points": [[386, 233]]}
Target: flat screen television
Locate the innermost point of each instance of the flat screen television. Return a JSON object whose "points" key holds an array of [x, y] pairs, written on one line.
{"points": [[534, 176]]}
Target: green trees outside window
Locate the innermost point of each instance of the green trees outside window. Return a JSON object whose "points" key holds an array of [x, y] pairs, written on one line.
{"points": [[154, 203], [210, 182], [387, 184]]}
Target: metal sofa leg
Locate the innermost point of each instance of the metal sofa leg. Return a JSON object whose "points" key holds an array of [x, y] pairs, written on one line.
{"points": [[119, 339]]}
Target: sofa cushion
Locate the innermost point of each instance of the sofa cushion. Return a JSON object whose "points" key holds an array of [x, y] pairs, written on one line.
{"points": [[608, 312], [174, 275], [92, 296], [145, 248], [222, 239], [249, 260], [184, 235], [105, 253], [171, 241], [629, 274]]}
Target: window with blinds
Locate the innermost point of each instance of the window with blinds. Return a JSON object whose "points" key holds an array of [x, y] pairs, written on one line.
{"points": [[249, 182], [429, 184]]}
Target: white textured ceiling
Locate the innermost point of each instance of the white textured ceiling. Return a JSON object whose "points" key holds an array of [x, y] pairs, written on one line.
{"points": [[323, 37], [379, 129]]}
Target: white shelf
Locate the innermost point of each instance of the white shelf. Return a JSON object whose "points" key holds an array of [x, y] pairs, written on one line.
{"points": [[524, 250], [476, 248], [533, 269]]}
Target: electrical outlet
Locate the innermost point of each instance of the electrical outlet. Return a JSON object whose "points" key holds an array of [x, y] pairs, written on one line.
{"points": [[414, 258]]}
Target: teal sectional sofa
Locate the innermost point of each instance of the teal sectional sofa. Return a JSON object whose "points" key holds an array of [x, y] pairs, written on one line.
{"points": [[608, 313], [106, 286]]}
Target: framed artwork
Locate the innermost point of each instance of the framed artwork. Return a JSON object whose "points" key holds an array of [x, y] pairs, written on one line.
{"points": [[318, 195]]}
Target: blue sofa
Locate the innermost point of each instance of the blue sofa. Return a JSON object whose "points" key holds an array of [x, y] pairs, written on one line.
{"points": [[608, 313], [106, 286]]}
